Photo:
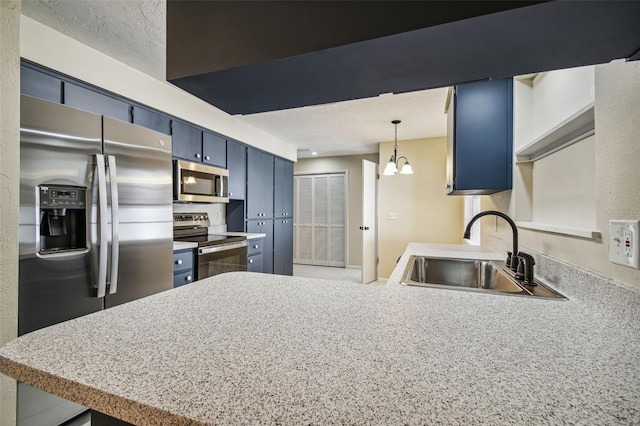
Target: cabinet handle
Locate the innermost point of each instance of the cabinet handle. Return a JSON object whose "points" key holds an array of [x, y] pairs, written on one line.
{"points": [[256, 246], [188, 278], [250, 260], [207, 157], [230, 194], [179, 262], [197, 155]]}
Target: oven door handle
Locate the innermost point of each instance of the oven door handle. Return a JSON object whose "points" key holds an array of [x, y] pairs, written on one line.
{"points": [[222, 247]]}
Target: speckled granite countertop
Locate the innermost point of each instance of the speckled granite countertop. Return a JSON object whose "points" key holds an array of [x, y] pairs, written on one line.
{"points": [[247, 348]]}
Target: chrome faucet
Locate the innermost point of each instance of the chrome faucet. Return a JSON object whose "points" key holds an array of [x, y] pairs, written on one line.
{"points": [[512, 259]]}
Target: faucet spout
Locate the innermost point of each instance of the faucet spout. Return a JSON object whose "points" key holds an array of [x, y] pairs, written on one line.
{"points": [[514, 256]]}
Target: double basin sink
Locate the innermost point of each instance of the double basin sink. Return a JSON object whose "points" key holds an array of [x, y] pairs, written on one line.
{"points": [[471, 275]]}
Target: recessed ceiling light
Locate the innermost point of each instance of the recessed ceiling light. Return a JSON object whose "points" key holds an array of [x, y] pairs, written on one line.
{"points": [[314, 153]]}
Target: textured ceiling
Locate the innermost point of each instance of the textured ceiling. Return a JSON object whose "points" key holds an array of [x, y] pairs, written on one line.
{"points": [[134, 32], [356, 127], [131, 31]]}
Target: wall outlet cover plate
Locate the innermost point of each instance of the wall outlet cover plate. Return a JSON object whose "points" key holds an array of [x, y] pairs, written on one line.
{"points": [[624, 247]]}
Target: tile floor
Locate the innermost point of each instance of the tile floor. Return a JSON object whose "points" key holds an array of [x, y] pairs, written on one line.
{"points": [[329, 273]]}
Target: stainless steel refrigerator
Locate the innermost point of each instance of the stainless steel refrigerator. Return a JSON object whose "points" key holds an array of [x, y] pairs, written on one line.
{"points": [[95, 219]]}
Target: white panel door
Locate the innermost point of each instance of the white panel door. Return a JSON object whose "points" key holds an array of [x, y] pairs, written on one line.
{"points": [[369, 222]]}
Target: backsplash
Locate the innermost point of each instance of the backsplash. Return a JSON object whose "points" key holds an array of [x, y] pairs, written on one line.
{"points": [[603, 295]]}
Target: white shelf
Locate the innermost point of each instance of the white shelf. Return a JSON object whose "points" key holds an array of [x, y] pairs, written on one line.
{"points": [[591, 234], [575, 128]]}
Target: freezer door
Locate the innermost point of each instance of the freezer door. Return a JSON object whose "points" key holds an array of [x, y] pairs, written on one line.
{"points": [[58, 145], [142, 238]]}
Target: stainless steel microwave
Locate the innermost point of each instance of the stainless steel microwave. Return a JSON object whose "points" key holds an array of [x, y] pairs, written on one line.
{"points": [[198, 183]]}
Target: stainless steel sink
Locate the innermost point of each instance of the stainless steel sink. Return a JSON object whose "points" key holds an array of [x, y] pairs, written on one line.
{"points": [[474, 275]]}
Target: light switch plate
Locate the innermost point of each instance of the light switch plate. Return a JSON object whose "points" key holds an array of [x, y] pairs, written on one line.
{"points": [[624, 247]]}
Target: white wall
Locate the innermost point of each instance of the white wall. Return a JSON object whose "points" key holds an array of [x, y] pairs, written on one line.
{"points": [[9, 191], [558, 94], [44, 46], [617, 179], [563, 186]]}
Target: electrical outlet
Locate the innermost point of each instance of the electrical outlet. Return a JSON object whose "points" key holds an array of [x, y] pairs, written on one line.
{"points": [[624, 248], [393, 216]]}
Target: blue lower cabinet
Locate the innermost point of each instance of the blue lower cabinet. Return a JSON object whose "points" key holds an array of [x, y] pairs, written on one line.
{"points": [[183, 267], [254, 263], [255, 259], [182, 278]]}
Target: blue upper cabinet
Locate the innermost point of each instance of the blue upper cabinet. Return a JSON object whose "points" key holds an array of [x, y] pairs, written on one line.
{"points": [[187, 141], [151, 120], [480, 138], [93, 101], [214, 149], [40, 85]]}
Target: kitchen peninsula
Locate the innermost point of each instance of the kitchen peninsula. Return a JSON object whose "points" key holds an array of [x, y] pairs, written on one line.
{"points": [[247, 348]]}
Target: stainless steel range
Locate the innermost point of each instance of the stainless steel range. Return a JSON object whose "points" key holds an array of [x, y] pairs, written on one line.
{"points": [[217, 254]]}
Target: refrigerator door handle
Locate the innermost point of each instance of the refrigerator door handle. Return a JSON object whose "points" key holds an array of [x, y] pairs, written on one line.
{"points": [[102, 212], [115, 219]]}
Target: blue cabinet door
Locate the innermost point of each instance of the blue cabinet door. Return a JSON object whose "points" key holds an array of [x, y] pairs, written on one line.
{"points": [[214, 150], [283, 188], [259, 184], [187, 141], [151, 120], [92, 101], [482, 141], [283, 246], [237, 166], [40, 85]]}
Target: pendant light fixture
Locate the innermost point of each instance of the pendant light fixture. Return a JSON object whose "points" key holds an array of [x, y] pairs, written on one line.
{"points": [[392, 165]]}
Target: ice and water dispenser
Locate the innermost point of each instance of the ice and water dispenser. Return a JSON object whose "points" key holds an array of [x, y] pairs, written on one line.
{"points": [[63, 219]]}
